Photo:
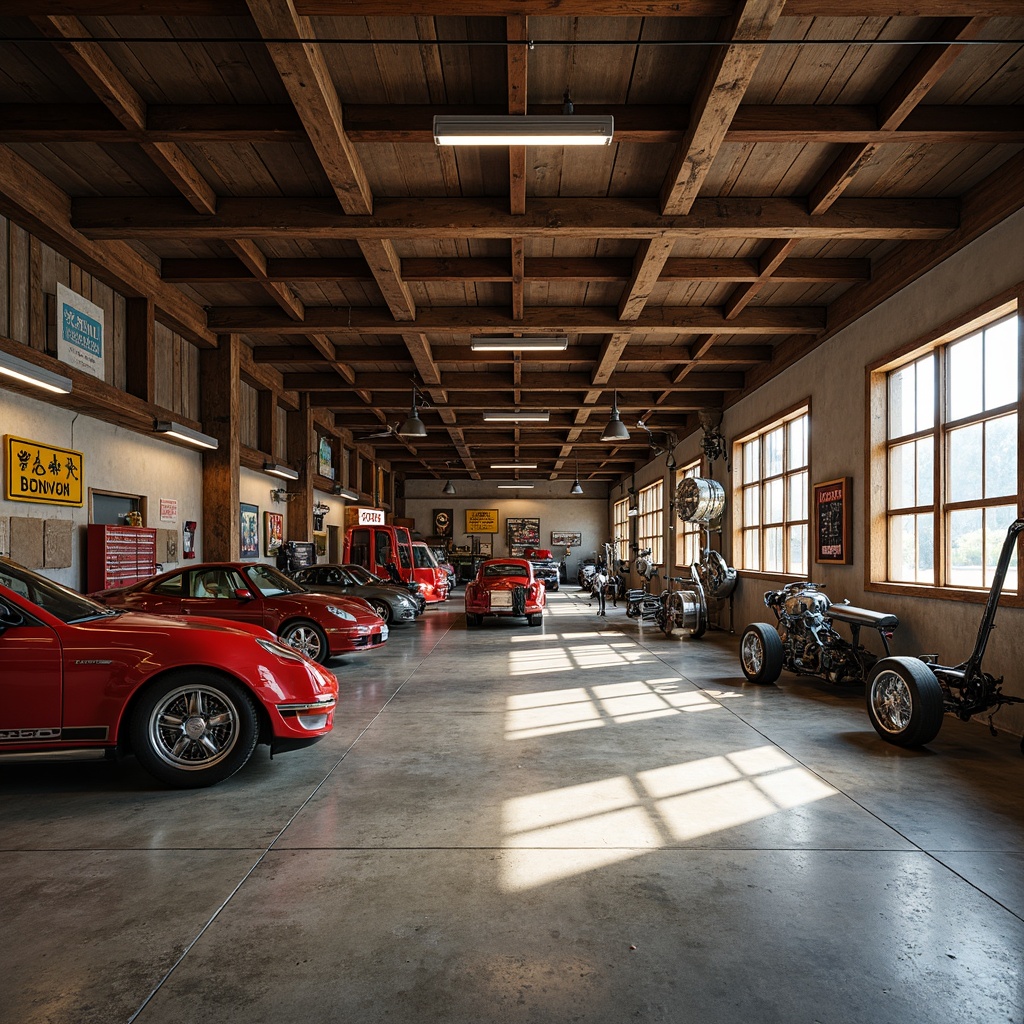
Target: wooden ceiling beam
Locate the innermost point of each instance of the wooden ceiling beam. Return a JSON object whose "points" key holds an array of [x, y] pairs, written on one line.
{"points": [[427, 217], [397, 124], [499, 8], [545, 268], [307, 79], [911, 87], [673, 320], [769, 262], [569, 404]]}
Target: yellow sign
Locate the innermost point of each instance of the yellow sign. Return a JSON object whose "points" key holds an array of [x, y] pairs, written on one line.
{"points": [[41, 473], [481, 520]]}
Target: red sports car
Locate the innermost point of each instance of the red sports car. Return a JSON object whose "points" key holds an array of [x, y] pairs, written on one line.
{"points": [[505, 586], [318, 625], [190, 698]]}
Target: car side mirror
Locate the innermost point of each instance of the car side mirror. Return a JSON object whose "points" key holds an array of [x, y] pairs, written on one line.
{"points": [[243, 595], [10, 616]]}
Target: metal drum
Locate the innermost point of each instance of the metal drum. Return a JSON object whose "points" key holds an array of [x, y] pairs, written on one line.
{"points": [[699, 500]]}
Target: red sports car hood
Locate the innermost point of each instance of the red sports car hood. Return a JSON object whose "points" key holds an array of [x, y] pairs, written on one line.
{"points": [[131, 623], [364, 614]]}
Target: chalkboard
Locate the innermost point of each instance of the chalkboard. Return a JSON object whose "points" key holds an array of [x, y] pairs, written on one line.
{"points": [[832, 521]]}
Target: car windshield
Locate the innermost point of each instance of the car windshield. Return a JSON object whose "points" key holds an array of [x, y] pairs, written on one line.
{"points": [[61, 602], [424, 559], [362, 575], [269, 582], [503, 569]]}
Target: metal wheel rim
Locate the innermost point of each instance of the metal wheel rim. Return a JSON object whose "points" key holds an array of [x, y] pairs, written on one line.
{"points": [[194, 727], [891, 701], [752, 653], [381, 609], [304, 639]]}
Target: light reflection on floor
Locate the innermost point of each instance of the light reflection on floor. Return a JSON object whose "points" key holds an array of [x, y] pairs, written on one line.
{"points": [[613, 820]]}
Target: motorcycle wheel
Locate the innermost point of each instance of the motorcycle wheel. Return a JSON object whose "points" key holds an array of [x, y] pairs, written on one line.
{"points": [[761, 653], [905, 702]]}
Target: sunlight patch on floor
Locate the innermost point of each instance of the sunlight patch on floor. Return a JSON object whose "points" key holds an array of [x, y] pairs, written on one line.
{"points": [[531, 715], [613, 820]]}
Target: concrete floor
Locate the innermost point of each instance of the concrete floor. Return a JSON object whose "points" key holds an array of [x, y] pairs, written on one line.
{"points": [[583, 822]]}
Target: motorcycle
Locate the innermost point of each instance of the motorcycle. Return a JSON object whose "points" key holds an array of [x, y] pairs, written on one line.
{"points": [[674, 612], [805, 641], [585, 573], [908, 697], [640, 602]]}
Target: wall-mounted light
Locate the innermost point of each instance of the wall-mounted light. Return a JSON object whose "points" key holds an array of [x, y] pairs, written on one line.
{"points": [[513, 465], [284, 472], [517, 416], [557, 343], [523, 130], [345, 492], [615, 429], [29, 373], [182, 433]]}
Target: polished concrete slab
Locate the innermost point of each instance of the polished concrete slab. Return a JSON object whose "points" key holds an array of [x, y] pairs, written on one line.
{"points": [[584, 821]]}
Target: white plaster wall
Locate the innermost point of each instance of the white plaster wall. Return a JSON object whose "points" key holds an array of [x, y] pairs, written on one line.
{"points": [[114, 460], [549, 501], [832, 377]]}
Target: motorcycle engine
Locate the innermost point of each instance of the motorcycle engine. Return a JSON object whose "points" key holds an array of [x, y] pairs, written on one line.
{"points": [[806, 602]]}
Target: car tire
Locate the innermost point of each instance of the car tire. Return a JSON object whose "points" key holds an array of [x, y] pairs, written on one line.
{"points": [[383, 609], [473, 620], [905, 701], [534, 618], [194, 728], [307, 637], [761, 653]]}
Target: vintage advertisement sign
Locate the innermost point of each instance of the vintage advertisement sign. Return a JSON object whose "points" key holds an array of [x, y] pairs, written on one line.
{"points": [[41, 473], [442, 522], [832, 521], [79, 332], [481, 520], [168, 510]]}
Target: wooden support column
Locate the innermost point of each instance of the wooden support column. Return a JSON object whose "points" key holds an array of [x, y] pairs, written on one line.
{"points": [[220, 405], [140, 361], [301, 443], [267, 426]]}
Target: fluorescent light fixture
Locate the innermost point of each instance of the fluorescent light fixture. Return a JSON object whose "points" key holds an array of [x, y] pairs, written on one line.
{"points": [[284, 472], [517, 416], [345, 492], [557, 343], [632, 511], [29, 373], [186, 434], [523, 130], [513, 465], [512, 487]]}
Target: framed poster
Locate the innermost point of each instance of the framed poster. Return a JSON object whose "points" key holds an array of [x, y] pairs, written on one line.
{"points": [[832, 536], [273, 532], [522, 534], [248, 524], [481, 520], [443, 522], [566, 539]]}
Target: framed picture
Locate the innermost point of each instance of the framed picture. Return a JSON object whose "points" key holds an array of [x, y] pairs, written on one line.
{"points": [[320, 540], [481, 520], [832, 535], [522, 534], [249, 526], [273, 532], [566, 539]]}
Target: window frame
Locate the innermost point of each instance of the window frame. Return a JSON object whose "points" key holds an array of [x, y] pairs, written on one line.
{"points": [[620, 529], [878, 514], [740, 528], [650, 520]]}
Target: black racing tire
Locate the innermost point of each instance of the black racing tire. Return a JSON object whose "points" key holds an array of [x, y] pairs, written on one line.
{"points": [[904, 701], [307, 637], [474, 620], [534, 618], [761, 653], [194, 728], [383, 609]]}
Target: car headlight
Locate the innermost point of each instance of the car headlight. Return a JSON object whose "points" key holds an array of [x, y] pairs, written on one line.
{"points": [[341, 613], [288, 653]]}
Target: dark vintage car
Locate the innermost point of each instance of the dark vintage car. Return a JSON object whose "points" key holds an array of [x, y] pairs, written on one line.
{"points": [[190, 698], [545, 567], [317, 625], [505, 586], [392, 603]]}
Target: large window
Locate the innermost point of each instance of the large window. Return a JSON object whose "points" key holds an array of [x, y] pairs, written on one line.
{"points": [[689, 536], [951, 456], [772, 496], [651, 520], [620, 529]]}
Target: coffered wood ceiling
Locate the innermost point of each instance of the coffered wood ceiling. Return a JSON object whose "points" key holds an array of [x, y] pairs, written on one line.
{"points": [[267, 169]]}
